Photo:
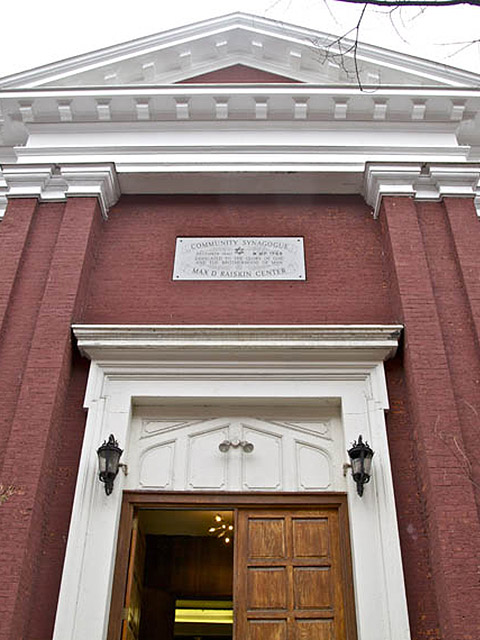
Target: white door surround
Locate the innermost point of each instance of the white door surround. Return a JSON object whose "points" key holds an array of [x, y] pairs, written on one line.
{"points": [[242, 366]]}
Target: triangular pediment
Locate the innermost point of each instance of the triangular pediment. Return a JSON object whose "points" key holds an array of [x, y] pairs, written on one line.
{"points": [[207, 51], [238, 74]]}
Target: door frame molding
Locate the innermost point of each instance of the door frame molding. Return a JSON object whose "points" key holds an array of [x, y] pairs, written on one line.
{"points": [[140, 364], [134, 501]]}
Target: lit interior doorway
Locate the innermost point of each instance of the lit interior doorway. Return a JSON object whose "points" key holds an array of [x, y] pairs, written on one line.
{"points": [[182, 582]]}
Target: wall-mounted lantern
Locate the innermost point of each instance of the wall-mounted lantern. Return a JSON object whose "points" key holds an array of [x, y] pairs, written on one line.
{"points": [[109, 462], [361, 463]]}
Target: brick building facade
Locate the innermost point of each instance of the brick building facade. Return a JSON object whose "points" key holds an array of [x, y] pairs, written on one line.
{"points": [[236, 128]]}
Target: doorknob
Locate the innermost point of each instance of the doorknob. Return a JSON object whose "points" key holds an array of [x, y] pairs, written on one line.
{"points": [[226, 444]]}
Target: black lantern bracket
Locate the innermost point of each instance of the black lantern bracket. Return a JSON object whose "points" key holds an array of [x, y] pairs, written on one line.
{"points": [[360, 455], [109, 464]]}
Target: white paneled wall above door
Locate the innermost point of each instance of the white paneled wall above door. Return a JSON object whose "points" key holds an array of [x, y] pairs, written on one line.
{"points": [[289, 452]]}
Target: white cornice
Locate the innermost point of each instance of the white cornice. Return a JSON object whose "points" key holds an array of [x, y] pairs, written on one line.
{"points": [[333, 342], [53, 183], [242, 89], [93, 112], [421, 181], [26, 111], [127, 106], [179, 126], [192, 49]]}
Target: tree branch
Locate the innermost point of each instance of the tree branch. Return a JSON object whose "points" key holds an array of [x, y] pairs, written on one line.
{"points": [[355, 47], [414, 3]]}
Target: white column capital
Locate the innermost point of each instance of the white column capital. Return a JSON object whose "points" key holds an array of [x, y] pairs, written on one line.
{"points": [[54, 183], [422, 181]]}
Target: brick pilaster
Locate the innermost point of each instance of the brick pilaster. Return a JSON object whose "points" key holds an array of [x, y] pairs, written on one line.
{"points": [[14, 231], [24, 299], [465, 230], [447, 492], [30, 459], [454, 296]]}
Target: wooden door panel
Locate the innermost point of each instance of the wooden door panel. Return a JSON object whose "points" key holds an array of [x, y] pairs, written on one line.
{"points": [[312, 588], [266, 538], [266, 630], [267, 588], [290, 575], [314, 630], [311, 537]]}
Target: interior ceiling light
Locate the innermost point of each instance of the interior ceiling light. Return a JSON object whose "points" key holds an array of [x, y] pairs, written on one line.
{"points": [[222, 529]]}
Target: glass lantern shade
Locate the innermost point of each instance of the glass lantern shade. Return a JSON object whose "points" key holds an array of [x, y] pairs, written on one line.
{"points": [[108, 462], [362, 465], [361, 462]]}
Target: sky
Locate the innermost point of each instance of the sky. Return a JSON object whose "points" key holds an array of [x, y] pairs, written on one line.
{"points": [[39, 33]]}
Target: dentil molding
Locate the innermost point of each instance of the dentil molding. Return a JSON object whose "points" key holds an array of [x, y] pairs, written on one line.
{"points": [[422, 181], [54, 183]]}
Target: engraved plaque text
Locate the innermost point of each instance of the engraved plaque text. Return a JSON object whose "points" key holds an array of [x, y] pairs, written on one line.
{"points": [[259, 258]]}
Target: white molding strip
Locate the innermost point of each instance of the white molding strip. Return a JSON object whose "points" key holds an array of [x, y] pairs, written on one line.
{"points": [[361, 342], [54, 183], [421, 181]]}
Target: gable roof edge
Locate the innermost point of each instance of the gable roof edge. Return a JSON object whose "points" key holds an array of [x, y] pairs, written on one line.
{"points": [[438, 72]]}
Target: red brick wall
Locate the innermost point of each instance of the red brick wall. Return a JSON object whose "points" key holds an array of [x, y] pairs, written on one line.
{"points": [[345, 279], [56, 514], [417, 265], [422, 605], [58, 257], [26, 287], [428, 290], [237, 73]]}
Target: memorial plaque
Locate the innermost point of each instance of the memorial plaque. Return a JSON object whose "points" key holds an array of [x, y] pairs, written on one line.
{"points": [[276, 258]]}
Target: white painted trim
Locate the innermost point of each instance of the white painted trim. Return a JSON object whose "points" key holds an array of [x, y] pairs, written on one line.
{"points": [[421, 181], [264, 31], [351, 342], [54, 183], [230, 89], [314, 137], [258, 363]]}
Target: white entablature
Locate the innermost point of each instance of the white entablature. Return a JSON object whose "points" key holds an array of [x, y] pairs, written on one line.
{"points": [[316, 130]]}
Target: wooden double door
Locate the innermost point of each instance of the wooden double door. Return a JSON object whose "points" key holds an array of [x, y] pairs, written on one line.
{"points": [[292, 576]]}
